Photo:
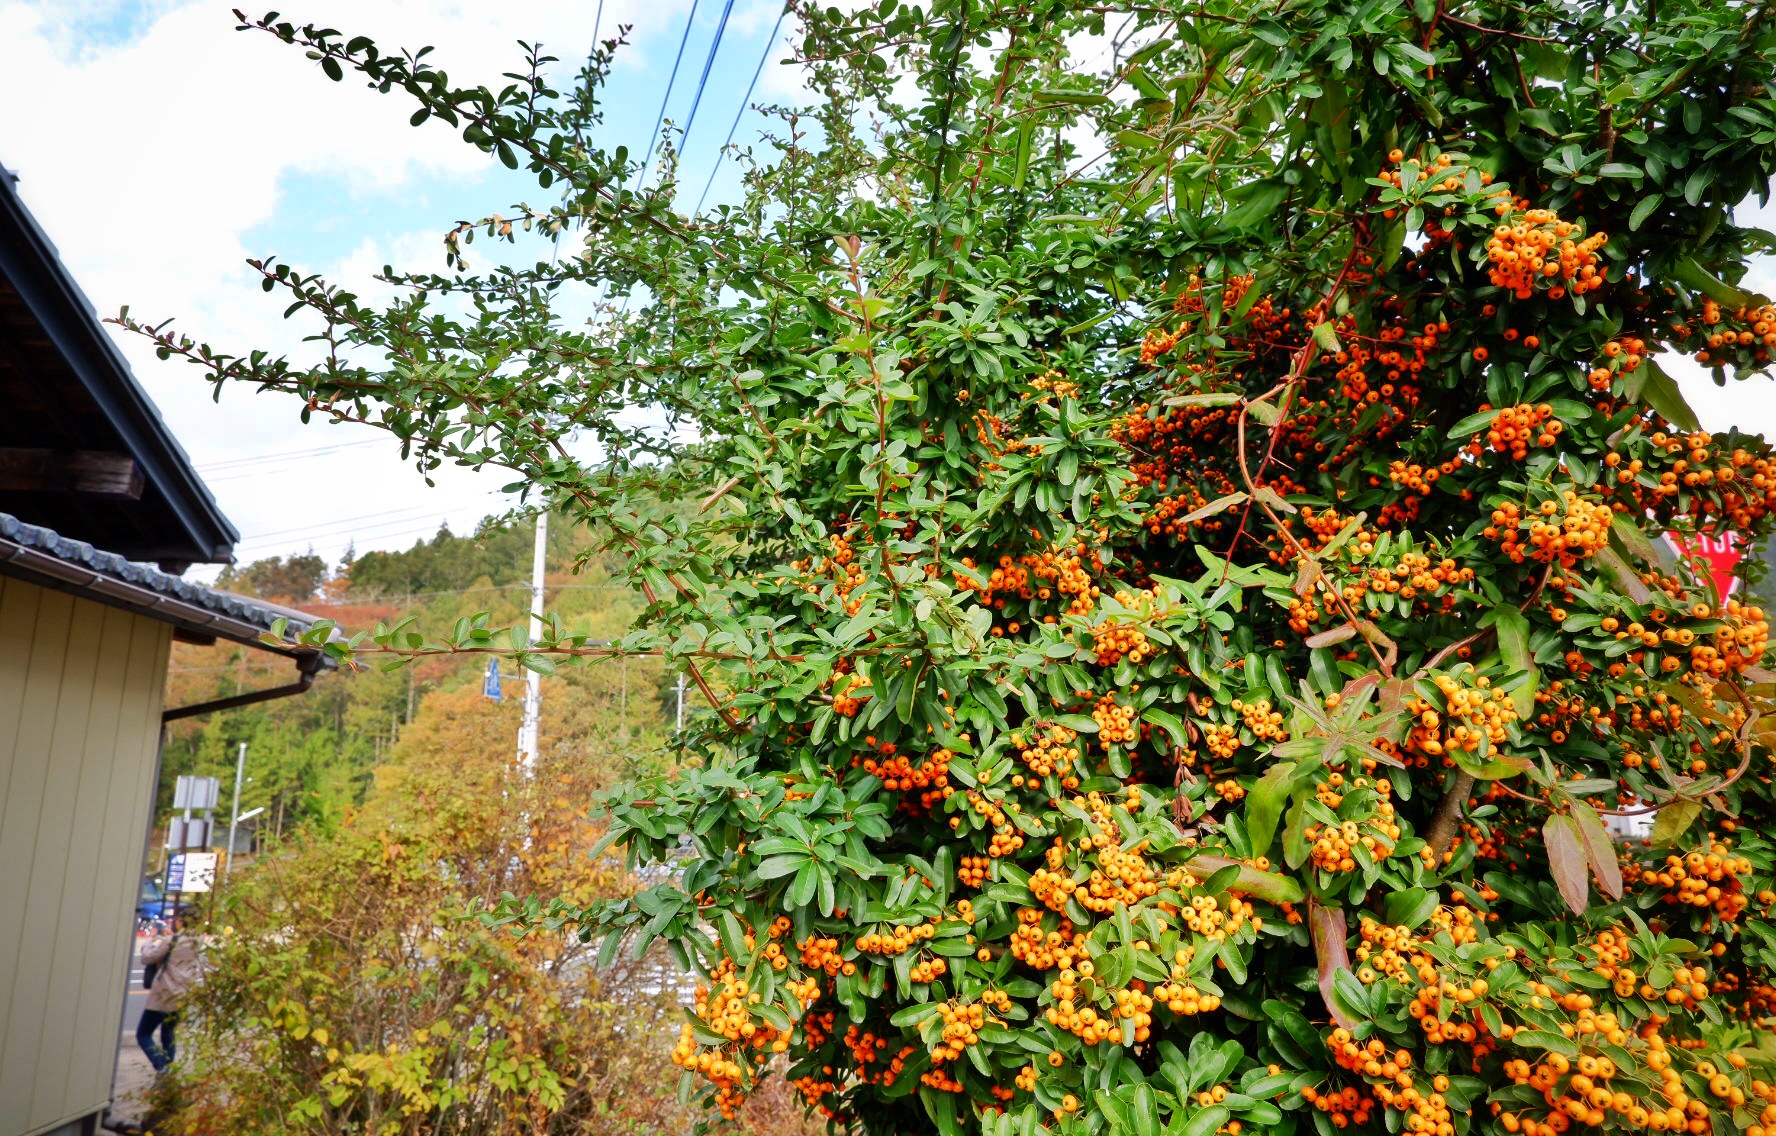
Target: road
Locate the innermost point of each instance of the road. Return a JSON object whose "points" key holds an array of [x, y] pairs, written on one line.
{"points": [[133, 1072], [133, 1001]]}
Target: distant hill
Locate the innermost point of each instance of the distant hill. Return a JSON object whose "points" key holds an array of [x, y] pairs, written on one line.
{"points": [[311, 757]]}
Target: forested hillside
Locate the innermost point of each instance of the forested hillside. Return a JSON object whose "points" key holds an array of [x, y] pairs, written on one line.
{"points": [[312, 756]]}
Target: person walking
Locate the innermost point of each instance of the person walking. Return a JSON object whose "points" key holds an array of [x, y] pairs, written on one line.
{"points": [[176, 964]]}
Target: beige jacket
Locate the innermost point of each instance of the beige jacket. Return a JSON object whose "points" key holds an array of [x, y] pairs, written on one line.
{"points": [[181, 968]]}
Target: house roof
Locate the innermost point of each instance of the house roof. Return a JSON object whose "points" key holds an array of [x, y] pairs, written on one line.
{"points": [[72, 405], [44, 557]]}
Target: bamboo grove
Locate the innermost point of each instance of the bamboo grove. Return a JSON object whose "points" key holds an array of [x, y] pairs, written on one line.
{"points": [[1165, 508]]}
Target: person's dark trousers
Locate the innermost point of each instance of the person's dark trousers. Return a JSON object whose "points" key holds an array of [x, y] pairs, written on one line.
{"points": [[159, 1056]]}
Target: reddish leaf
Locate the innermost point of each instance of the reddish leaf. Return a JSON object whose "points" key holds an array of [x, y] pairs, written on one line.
{"points": [[1567, 859], [1336, 635], [1599, 849], [1329, 931]]}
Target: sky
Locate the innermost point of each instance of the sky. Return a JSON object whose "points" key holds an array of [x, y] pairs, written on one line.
{"points": [[160, 148]]}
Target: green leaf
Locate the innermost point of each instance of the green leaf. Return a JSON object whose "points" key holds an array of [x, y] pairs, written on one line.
{"points": [[1167, 722], [1660, 392], [1674, 820], [1410, 907], [1644, 210], [1544, 1039], [1473, 424], [1218, 505], [1210, 398], [1513, 637], [1264, 805]]}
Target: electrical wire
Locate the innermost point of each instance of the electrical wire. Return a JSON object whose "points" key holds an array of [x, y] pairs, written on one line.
{"points": [[401, 515], [684, 140], [225, 464], [660, 118], [745, 100]]}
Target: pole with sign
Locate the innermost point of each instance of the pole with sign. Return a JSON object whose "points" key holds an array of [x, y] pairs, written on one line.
{"points": [[490, 687], [1719, 554]]}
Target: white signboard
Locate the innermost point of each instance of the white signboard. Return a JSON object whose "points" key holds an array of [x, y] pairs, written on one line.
{"points": [[188, 833], [197, 873], [198, 793]]}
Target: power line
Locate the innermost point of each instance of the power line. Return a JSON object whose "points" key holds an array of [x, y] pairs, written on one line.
{"points": [[404, 514], [745, 100], [660, 118], [225, 464], [684, 140]]}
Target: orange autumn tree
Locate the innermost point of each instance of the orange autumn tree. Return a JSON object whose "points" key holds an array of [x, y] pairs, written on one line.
{"points": [[1164, 524]]}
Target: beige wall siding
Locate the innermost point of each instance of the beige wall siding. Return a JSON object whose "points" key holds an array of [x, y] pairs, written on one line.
{"points": [[80, 701]]}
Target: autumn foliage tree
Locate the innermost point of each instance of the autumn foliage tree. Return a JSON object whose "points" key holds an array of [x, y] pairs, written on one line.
{"points": [[1163, 504]]}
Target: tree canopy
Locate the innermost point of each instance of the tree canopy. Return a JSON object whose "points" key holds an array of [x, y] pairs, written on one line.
{"points": [[1162, 502]]}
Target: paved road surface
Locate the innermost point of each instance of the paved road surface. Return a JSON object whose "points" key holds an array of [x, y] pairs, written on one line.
{"points": [[133, 1070]]}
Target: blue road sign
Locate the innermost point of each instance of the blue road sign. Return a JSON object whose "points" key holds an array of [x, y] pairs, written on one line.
{"points": [[491, 688]]}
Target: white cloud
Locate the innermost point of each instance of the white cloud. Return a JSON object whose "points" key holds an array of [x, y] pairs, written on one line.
{"points": [[162, 156], [160, 147]]}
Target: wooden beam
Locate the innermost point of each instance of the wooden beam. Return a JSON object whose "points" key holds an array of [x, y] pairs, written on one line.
{"points": [[91, 472]]}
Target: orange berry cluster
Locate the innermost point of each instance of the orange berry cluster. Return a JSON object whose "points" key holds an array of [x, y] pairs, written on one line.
{"points": [[1042, 576], [1157, 342], [1116, 723], [1418, 478], [1469, 714], [1179, 994], [1052, 384], [1345, 1107], [867, 1050], [1556, 530], [928, 970], [1265, 723], [1706, 879], [1539, 249], [1334, 848], [721, 1006], [899, 773], [1131, 1004], [1738, 645], [848, 693], [1046, 752], [1516, 428], [824, 954], [1621, 357], [1743, 339], [1393, 1082], [962, 1023], [897, 940], [1045, 950], [1692, 475], [1413, 577], [842, 567], [1222, 739], [1114, 642]]}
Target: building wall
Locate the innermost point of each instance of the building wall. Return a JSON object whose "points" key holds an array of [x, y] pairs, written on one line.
{"points": [[80, 702]]}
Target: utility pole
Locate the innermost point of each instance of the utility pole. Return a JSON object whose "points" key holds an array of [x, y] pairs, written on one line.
{"points": [[240, 770], [681, 701], [528, 734]]}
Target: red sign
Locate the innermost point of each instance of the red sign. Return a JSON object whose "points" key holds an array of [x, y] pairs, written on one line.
{"points": [[1719, 554]]}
